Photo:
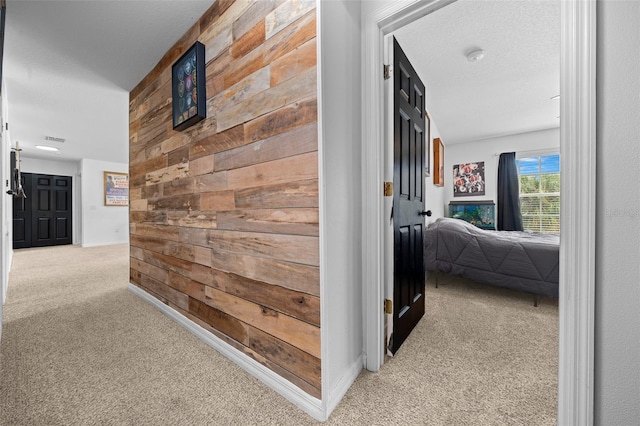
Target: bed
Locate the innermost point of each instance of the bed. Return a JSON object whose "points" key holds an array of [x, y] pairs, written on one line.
{"points": [[521, 261]]}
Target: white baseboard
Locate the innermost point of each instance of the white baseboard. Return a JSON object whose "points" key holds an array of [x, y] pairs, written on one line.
{"points": [[345, 382], [307, 403]]}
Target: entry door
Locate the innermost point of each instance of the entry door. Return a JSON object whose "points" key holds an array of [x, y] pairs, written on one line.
{"points": [[47, 209], [408, 198]]}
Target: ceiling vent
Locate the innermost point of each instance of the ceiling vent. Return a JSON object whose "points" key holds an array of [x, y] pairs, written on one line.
{"points": [[52, 139]]}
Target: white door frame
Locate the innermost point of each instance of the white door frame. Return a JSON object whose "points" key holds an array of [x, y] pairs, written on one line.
{"points": [[578, 161]]}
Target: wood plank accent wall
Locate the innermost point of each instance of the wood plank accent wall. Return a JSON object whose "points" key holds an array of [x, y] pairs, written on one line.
{"points": [[224, 215]]}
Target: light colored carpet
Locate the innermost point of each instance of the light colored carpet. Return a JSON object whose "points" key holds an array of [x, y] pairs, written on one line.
{"points": [[79, 349]]}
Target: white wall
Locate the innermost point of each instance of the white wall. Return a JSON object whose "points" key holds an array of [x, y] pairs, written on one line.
{"points": [[617, 302], [60, 168], [101, 225], [486, 150], [340, 195], [6, 203]]}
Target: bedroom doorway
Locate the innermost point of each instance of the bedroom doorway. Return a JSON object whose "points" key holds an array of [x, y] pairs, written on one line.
{"points": [[575, 389]]}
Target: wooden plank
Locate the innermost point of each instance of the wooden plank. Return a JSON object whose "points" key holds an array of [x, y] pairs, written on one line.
{"points": [[243, 67], [214, 12], [290, 169], [171, 263], [303, 278], [202, 255], [297, 333], [249, 41], [167, 248], [157, 231], [194, 236], [166, 292], [135, 194], [292, 90], [215, 74], [134, 276], [298, 362], [278, 221], [136, 252], [152, 191], [148, 243], [285, 14], [224, 22], [297, 141], [211, 182], [192, 218], [286, 195], [222, 141], [290, 117], [178, 187], [140, 170], [202, 274], [293, 248], [177, 156], [295, 62], [244, 89], [292, 36], [154, 272], [176, 202], [256, 13], [218, 319], [137, 205], [298, 305], [218, 200], [167, 174], [218, 44], [202, 165], [152, 217]]}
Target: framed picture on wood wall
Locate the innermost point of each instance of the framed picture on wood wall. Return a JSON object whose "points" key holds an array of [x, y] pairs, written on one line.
{"points": [[116, 189], [189, 88]]}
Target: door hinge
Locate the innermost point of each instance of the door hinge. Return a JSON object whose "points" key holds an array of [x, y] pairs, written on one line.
{"points": [[388, 306], [388, 71], [388, 189]]}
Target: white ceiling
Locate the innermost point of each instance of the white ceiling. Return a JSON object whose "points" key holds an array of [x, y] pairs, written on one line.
{"points": [[69, 65], [507, 92]]}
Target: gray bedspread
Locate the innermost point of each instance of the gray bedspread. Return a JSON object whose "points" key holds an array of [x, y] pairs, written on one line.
{"points": [[518, 260]]}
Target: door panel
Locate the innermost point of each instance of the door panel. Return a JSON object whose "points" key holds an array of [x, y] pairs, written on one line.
{"points": [[409, 161], [44, 217], [22, 217]]}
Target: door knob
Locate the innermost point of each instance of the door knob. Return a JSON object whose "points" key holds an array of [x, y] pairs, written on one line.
{"points": [[426, 213]]}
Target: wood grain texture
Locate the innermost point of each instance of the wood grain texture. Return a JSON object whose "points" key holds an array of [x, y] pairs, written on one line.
{"points": [[224, 214], [279, 221]]}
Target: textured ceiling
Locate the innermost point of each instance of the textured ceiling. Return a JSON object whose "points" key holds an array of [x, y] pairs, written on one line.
{"points": [[69, 65], [507, 92]]}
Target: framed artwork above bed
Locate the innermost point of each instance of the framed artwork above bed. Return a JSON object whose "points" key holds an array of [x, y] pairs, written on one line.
{"points": [[468, 179]]}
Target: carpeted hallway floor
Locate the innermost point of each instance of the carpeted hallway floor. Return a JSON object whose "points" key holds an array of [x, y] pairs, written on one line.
{"points": [[79, 349]]}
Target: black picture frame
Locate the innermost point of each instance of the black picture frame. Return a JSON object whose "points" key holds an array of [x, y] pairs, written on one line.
{"points": [[189, 93]]}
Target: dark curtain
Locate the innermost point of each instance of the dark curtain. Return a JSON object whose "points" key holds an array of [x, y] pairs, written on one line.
{"points": [[509, 215]]}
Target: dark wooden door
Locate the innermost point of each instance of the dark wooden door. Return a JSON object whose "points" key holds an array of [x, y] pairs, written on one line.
{"points": [[45, 213], [408, 197], [22, 217]]}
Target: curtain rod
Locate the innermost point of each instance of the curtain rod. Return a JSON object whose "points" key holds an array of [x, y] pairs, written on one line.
{"points": [[531, 151]]}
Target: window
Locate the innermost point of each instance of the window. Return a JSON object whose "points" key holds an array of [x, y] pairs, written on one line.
{"points": [[540, 193]]}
